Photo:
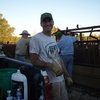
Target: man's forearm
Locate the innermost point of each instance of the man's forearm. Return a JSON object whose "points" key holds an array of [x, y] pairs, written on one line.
{"points": [[37, 62]]}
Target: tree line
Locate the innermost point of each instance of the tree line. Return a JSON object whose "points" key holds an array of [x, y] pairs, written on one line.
{"points": [[7, 35], [6, 31]]}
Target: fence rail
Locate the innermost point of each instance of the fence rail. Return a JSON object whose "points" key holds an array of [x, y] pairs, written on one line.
{"points": [[86, 52]]}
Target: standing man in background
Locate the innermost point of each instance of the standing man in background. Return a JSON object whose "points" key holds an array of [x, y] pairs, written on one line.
{"points": [[66, 49], [22, 47], [44, 54]]}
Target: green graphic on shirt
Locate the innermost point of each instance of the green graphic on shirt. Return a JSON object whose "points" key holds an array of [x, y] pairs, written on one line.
{"points": [[53, 51]]}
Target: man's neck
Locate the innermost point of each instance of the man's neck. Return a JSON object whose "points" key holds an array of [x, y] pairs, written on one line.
{"points": [[47, 33]]}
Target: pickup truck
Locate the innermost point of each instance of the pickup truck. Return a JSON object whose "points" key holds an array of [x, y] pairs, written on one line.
{"points": [[33, 74]]}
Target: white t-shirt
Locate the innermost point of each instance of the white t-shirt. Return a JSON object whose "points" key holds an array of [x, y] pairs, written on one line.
{"points": [[46, 48]]}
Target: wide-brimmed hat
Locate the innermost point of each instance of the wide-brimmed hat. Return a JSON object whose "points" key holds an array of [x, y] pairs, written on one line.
{"points": [[46, 15], [24, 32]]}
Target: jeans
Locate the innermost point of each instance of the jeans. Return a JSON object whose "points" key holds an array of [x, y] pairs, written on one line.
{"points": [[68, 61]]}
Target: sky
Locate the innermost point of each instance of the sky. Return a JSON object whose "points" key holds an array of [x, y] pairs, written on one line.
{"points": [[25, 14]]}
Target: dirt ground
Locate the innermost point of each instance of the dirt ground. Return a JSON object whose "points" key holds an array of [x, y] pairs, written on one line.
{"points": [[79, 95]]}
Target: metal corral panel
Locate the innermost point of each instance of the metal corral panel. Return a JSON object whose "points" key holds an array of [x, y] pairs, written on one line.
{"points": [[87, 53]]}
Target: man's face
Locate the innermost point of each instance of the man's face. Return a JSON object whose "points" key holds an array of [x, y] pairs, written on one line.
{"points": [[47, 25], [25, 36]]}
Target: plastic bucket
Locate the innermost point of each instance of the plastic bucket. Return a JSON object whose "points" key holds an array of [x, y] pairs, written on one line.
{"points": [[5, 78]]}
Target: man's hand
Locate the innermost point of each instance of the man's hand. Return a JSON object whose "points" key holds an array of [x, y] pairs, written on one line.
{"points": [[56, 69], [69, 81]]}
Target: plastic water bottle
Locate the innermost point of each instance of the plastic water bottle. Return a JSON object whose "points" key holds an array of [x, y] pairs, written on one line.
{"points": [[9, 97], [18, 94], [41, 98]]}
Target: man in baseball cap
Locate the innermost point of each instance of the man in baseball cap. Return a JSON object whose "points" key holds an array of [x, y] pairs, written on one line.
{"points": [[44, 55]]}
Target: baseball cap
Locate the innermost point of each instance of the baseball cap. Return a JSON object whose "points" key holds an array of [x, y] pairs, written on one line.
{"points": [[58, 33], [46, 15]]}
